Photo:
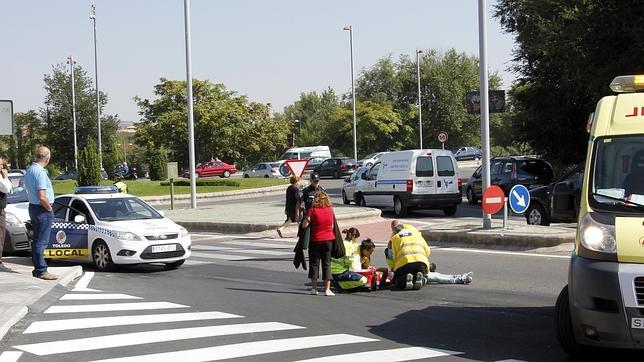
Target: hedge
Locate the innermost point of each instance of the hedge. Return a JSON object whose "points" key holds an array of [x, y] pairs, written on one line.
{"points": [[201, 182]]}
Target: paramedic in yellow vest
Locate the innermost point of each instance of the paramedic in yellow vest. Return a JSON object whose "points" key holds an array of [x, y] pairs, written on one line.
{"points": [[121, 186], [343, 269], [410, 256]]}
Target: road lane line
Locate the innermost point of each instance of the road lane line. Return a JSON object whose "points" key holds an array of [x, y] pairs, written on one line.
{"points": [[514, 253], [260, 245], [221, 256], [10, 356], [166, 335], [239, 350], [83, 282], [244, 251], [112, 307], [97, 296], [387, 355], [82, 323], [197, 262]]}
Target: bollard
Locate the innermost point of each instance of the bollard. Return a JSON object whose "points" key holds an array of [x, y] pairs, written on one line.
{"points": [[505, 213], [171, 194]]}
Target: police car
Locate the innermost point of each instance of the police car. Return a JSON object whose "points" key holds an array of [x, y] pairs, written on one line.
{"points": [[101, 225]]}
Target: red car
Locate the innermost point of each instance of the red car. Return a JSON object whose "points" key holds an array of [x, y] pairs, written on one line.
{"points": [[213, 168]]}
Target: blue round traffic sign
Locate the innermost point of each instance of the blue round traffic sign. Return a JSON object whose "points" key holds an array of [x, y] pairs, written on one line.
{"points": [[519, 199]]}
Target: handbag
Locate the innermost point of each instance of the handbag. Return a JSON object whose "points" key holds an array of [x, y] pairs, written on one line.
{"points": [[337, 248]]}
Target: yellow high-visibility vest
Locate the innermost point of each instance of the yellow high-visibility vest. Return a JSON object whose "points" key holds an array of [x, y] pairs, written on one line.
{"points": [[409, 246]]}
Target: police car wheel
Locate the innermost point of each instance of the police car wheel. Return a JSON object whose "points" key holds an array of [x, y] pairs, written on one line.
{"points": [[175, 264], [563, 327], [101, 256]]}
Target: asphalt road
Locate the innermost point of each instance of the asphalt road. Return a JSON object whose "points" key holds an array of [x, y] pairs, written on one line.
{"points": [[506, 313]]}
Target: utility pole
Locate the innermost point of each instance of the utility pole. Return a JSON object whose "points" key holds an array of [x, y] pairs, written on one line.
{"points": [[92, 16], [420, 104], [191, 127], [485, 114], [71, 62]]}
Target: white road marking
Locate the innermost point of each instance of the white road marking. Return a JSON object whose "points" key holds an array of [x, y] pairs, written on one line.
{"points": [[10, 356], [221, 256], [81, 323], [83, 282], [259, 245], [112, 307], [166, 335], [514, 253], [197, 262], [97, 296], [246, 349], [493, 200], [387, 355], [237, 250]]}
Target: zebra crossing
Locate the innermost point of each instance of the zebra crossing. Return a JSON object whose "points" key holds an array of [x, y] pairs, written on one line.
{"points": [[72, 330]]}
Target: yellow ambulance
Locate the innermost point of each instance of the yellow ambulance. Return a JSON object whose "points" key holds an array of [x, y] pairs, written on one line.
{"points": [[603, 303]]}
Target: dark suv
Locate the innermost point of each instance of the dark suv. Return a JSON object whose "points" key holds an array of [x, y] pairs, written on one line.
{"points": [[507, 172], [337, 167], [546, 206]]}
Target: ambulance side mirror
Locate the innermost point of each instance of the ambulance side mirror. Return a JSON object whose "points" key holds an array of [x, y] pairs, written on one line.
{"points": [[79, 219]]}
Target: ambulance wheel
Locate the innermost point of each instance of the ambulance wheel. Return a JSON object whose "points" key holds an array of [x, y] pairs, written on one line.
{"points": [[175, 265], [450, 210], [345, 199], [470, 196], [563, 326], [400, 209], [101, 256]]}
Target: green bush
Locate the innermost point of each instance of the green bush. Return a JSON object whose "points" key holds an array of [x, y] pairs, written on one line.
{"points": [[89, 170], [53, 169], [201, 182], [157, 165]]}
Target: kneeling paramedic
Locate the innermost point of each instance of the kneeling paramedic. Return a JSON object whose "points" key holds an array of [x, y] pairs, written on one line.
{"points": [[410, 255]]}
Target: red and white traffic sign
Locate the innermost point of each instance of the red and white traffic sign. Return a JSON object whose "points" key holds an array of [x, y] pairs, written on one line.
{"points": [[297, 167], [493, 199], [442, 136]]}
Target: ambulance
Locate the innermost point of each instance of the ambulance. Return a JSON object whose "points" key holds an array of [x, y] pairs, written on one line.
{"points": [[603, 303]]}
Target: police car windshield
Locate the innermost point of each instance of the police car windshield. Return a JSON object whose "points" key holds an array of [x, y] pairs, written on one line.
{"points": [[618, 174], [121, 208]]}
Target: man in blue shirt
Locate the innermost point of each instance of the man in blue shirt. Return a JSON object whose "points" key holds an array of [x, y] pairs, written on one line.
{"points": [[41, 198]]}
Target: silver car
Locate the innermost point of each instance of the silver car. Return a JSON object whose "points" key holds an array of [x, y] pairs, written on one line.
{"points": [[264, 169], [349, 187], [17, 237]]}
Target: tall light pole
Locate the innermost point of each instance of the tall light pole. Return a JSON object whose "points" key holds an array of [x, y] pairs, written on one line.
{"points": [[485, 115], [298, 131], [191, 128], [420, 104], [92, 16], [353, 92], [71, 62]]}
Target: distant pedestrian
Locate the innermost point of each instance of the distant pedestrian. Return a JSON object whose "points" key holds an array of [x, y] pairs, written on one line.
{"points": [[292, 205], [320, 217], [5, 189], [41, 198]]}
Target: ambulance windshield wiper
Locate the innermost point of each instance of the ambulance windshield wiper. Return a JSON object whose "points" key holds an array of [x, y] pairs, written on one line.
{"points": [[624, 201]]}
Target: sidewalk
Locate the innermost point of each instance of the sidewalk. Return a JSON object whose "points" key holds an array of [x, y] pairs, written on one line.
{"points": [[20, 290]]}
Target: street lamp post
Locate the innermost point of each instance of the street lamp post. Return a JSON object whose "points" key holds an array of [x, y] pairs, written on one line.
{"points": [[485, 115], [191, 128], [71, 62], [353, 92], [299, 127], [92, 16], [420, 104]]}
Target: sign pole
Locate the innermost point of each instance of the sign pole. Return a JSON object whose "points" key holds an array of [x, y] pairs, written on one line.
{"points": [[485, 114], [505, 213]]}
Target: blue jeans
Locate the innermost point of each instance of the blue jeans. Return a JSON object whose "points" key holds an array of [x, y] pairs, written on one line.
{"points": [[41, 220]]}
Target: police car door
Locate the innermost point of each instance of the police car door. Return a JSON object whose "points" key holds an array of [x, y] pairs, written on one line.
{"points": [[68, 238]]}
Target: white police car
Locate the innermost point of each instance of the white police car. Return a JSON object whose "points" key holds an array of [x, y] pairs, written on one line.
{"points": [[99, 224]]}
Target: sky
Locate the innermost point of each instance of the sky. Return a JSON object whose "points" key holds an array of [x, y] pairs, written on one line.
{"points": [[270, 51]]}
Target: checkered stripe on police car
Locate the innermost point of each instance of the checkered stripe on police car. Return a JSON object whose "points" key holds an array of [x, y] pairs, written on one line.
{"points": [[69, 225], [102, 230]]}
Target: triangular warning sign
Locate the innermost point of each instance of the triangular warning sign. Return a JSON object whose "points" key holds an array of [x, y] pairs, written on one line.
{"points": [[297, 167]]}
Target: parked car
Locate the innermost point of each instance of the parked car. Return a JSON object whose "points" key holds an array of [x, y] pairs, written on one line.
{"points": [[544, 208], [507, 172], [370, 159], [17, 236], [349, 186], [314, 162], [105, 227], [72, 174], [467, 153], [213, 168], [336, 167], [264, 169]]}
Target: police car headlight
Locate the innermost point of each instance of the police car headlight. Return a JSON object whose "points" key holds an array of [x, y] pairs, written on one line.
{"points": [[183, 232], [126, 235], [596, 236], [12, 220]]}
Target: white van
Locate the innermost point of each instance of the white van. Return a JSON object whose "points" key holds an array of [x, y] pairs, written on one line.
{"points": [[299, 153], [424, 179]]}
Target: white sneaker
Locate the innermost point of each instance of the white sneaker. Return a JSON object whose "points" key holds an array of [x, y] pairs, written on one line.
{"points": [[409, 284], [467, 278], [419, 281], [314, 291], [328, 293]]}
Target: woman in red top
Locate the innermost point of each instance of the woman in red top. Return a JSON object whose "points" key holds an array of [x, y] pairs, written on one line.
{"points": [[320, 218]]}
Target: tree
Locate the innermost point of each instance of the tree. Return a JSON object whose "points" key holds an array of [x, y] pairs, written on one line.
{"points": [[26, 136], [312, 111], [566, 56], [58, 127], [157, 164], [89, 171]]}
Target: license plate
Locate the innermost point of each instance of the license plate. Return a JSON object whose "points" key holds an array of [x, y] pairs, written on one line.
{"points": [[637, 323], [163, 248]]}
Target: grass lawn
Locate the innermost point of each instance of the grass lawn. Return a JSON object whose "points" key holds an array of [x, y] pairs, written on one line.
{"points": [[153, 188]]}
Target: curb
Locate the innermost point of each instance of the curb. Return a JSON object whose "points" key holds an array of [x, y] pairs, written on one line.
{"points": [[498, 238], [244, 227], [224, 195], [16, 313]]}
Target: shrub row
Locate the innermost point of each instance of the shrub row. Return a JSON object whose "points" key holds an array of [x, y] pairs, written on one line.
{"points": [[201, 182]]}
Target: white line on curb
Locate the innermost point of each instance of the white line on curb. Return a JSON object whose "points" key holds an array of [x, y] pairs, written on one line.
{"points": [[501, 252], [10, 356]]}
